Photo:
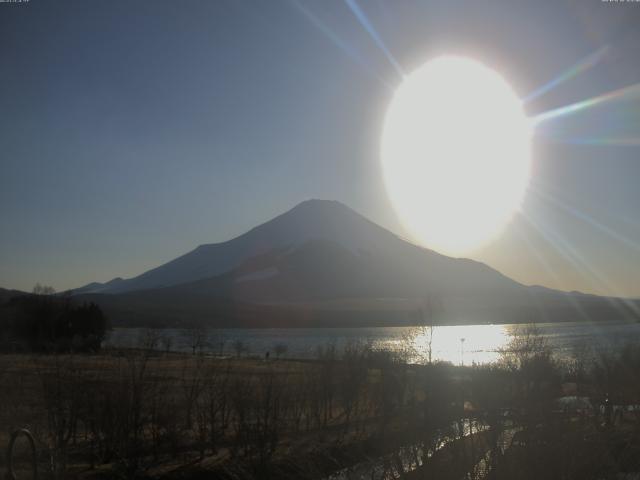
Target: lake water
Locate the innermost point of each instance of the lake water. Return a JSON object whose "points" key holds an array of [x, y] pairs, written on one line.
{"points": [[481, 344]]}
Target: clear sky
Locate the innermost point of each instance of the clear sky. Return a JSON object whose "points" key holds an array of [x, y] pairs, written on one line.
{"points": [[133, 131]]}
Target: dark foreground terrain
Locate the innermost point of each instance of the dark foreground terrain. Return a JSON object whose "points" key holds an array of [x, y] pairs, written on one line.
{"points": [[153, 414]]}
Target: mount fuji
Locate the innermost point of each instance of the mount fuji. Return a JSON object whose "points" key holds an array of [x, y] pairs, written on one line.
{"points": [[323, 264]]}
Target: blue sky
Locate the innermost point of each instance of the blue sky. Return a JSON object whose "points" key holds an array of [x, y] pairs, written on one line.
{"points": [[132, 132]]}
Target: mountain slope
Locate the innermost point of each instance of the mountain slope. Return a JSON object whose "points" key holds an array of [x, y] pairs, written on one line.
{"points": [[313, 220], [321, 263]]}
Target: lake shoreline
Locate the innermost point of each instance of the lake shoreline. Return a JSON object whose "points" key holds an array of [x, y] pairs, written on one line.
{"points": [[191, 326], [470, 343]]}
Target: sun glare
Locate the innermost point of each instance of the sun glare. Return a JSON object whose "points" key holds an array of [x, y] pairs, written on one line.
{"points": [[455, 154]]}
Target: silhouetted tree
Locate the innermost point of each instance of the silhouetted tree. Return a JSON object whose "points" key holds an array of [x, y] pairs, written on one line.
{"points": [[45, 322]]}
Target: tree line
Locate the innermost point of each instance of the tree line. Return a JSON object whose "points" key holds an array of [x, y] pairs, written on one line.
{"points": [[43, 321]]}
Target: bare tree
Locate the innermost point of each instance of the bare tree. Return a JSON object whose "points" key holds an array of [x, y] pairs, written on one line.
{"points": [[352, 381], [149, 339], [62, 394], [214, 408], [239, 347], [192, 385], [280, 349], [197, 338], [431, 306], [39, 289], [218, 342], [167, 342]]}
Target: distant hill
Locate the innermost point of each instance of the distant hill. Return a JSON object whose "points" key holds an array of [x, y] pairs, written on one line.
{"points": [[322, 263], [6, 295]]}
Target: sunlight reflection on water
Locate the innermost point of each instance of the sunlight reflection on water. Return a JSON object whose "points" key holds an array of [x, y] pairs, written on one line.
{"points": [[463, 343], [482, 343]]}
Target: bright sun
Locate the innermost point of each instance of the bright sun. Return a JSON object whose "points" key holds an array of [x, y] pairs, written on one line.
{"points": [[455, 154]]}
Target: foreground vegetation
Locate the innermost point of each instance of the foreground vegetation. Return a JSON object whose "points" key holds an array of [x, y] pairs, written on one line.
{"points": [[149, 413]]}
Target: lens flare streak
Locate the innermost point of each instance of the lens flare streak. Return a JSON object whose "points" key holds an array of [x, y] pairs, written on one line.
{"points": [[549, 241], [604, 141], [333, 37], [577, 260], [625, 93], [580, 67], [585, 218], [368, 26]]}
